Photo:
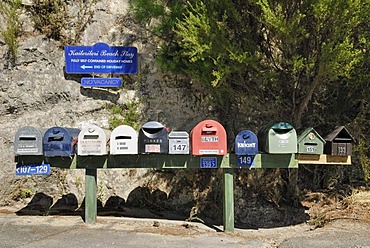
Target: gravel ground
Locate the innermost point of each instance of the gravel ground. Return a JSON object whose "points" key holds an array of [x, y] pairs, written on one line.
{"points": [[71, 231]]}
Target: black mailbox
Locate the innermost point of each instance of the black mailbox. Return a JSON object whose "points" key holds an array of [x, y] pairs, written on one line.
{"points": [[60, 142], [339, 142], [153, 138]]}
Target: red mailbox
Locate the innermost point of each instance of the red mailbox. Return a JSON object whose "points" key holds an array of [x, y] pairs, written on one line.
{"points": [[208, 137]]}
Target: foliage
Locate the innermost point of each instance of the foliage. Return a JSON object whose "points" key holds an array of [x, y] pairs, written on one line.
{"points": [[50, 17], [53, 18], [126, 114], [10, 10]]}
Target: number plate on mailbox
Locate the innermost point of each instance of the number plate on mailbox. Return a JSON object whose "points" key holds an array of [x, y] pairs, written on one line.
{"points": [[208, 162], [32, 169], [245, 160]]}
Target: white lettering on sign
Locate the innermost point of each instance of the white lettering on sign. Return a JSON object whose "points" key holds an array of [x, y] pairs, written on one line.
{"points": [[210, 139], [246, 145], [283, 141], [213, 152]]}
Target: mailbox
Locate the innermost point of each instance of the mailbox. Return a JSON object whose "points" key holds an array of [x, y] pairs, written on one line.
{"points": [[310, 142], [178, 142], [208, 137], [28, 141], [246, 143], [339, 142], [123, 140], [60, 142], [153, 138], [280, 138], [92, 140]]}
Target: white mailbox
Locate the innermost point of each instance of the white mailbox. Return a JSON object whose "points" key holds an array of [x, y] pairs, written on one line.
{"points": [[124, 140], [178, 142], [92, 140]]}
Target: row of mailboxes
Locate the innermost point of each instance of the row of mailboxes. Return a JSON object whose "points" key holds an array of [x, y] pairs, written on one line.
{"points": [[206, 138]]}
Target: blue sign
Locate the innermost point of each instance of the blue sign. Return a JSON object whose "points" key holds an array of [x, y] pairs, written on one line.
{"points": [[32, 169], [101, 59], [208, 162], [101, 82], [246, 160]]}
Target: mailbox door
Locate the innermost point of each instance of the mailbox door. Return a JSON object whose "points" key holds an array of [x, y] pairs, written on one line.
{"points": [[282, 138], [124, 140], [92, 140], [28, 141], [153, 138], [178, 142], [208, 137], [58, 141], [246, 143], [311, 144]]}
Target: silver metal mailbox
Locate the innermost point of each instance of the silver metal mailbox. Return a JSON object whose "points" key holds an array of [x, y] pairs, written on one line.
{"points": [[124, 140], [93, 140], [178, 142], [28, 141]]}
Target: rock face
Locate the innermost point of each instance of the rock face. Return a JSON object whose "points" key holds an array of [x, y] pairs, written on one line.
{"points": [[37, 92]]}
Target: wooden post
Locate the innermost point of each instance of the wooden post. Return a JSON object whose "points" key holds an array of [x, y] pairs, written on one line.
{"points": [[228, 211], [90, 196]]}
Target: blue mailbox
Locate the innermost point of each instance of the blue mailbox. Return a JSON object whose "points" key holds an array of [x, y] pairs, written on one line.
{"points": [[246, 143], [60, 142], [246, 147]]}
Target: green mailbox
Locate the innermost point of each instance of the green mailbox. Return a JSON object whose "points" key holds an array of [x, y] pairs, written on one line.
{"points": [[310, 142], [281, 138]]}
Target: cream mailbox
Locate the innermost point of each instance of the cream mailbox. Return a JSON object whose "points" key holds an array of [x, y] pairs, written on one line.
{"points": [[123, 140], [178, 142], [28, 141], [92, 140]]}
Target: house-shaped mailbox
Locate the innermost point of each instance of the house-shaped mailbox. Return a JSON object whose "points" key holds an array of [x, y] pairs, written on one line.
{"points": [[280, 138], [60, 142], [123, 140], [92, 140], [178, 142], [153, 138], [246, 143], [339, 142], [310, 142], [28, 141], [208, 137]]}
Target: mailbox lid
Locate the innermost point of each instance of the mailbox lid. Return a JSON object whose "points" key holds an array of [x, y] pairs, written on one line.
{"points": [[208, 137], [60, 141], [246, 143], [124, 140], [310, 142], [28, 141], [339, 142], [92, 140], [153, 138], [281, 138], [179, 142]]}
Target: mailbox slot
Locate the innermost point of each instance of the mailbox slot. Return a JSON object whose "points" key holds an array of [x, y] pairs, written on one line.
{"points": [[60, 142], [153, 138], [123, 140], [208, 137]]}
